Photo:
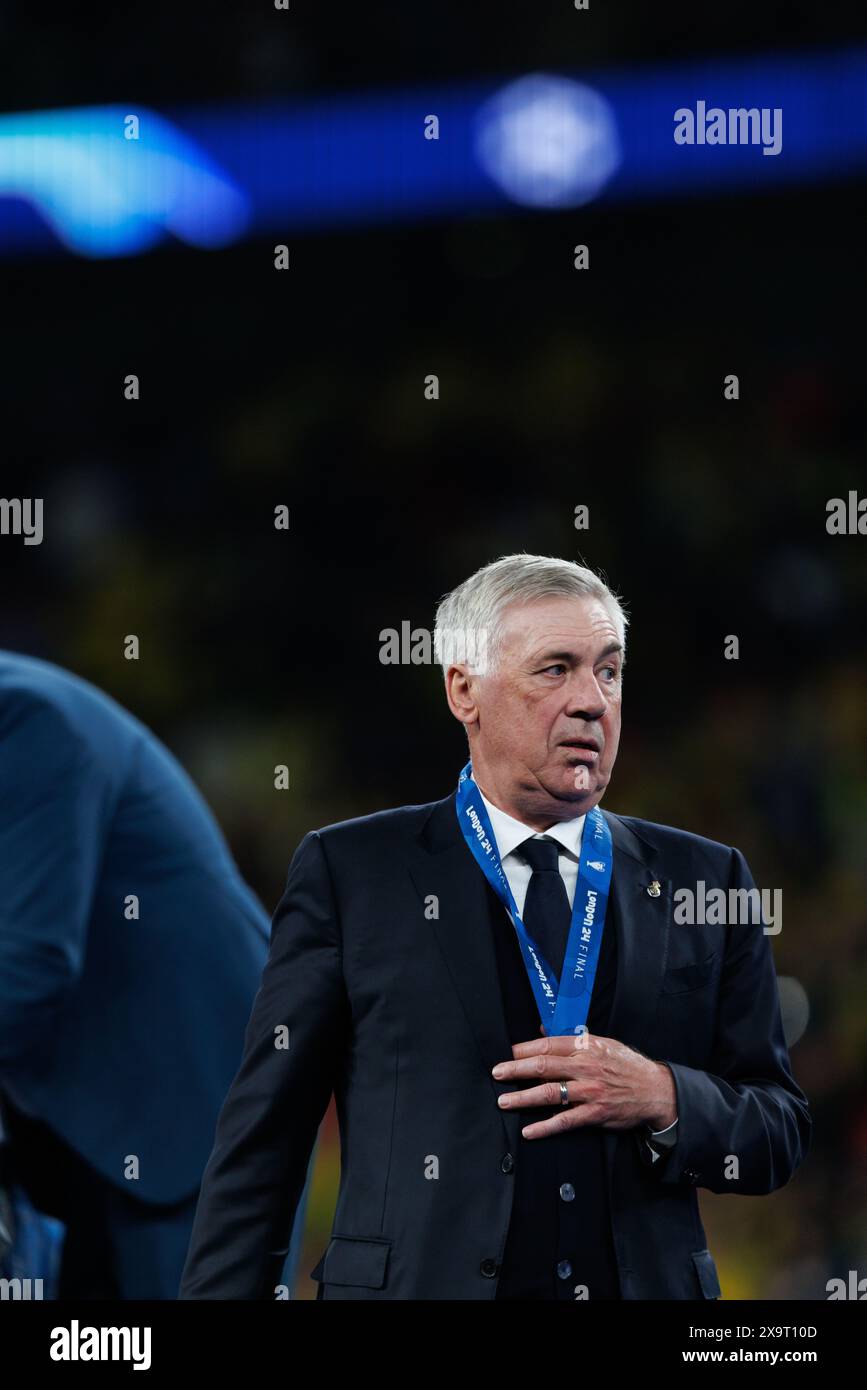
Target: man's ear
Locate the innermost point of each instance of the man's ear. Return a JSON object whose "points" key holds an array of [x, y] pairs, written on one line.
{"points": [[459, 695]]}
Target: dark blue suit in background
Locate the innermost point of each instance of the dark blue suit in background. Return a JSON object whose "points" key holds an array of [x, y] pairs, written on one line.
{"points": [[118, 1037]]}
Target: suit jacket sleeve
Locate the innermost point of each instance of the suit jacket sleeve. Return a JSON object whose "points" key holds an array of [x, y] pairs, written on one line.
{"points": [[746, 1106], [55, 807], [293, 1048]]}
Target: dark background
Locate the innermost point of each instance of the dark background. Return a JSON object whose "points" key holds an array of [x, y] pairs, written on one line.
{"points": [[261, 647]]}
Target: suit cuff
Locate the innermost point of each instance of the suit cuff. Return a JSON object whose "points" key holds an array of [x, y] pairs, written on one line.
{"points": [[655, 1144], [667, 1130]]}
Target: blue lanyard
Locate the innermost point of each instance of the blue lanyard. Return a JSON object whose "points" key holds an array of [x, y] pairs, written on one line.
{"points": [[563, 1007]]}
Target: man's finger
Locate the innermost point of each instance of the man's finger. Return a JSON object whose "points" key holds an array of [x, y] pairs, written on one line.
{"points": [[563, 1064], [561, 1043], [546, 1094], [576, 1117]]}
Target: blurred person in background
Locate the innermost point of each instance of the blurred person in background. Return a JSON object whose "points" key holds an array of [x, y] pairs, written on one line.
{"points": [[130, 952]]}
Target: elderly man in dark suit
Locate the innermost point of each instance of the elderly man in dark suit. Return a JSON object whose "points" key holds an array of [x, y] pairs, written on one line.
{"points": [[536, 1062], [130, 951]]}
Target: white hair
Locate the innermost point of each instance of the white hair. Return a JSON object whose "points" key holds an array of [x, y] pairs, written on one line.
{"points": [[470, 617]]}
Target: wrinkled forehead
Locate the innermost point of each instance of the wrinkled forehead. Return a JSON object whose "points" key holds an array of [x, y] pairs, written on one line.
{"points": [[581, 625]]}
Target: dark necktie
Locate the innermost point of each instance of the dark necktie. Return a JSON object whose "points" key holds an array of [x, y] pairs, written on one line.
{"points": [[547, 914]]}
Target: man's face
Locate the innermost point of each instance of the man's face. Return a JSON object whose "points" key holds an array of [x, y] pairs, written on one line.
{"points": [[545, 725]]}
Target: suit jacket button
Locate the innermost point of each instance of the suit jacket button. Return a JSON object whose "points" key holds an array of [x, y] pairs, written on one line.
{"points": [[507, 1163], [567, 1192], [488, 1268]]}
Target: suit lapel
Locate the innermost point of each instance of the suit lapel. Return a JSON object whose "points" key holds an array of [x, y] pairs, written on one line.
{"points": [[643, 924], [443, 865]]}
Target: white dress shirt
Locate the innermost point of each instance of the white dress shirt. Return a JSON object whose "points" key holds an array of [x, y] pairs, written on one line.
{"points": [[510, 834]]}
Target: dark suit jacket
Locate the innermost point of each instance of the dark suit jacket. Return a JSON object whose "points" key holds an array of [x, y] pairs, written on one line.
{"points": [[122, 1036], [383, 971]]}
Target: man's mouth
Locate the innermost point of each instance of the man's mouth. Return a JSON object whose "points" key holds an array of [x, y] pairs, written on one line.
{"points": [[585, 750]]}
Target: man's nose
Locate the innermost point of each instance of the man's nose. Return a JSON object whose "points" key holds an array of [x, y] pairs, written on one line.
{"points": [[586, 698]]}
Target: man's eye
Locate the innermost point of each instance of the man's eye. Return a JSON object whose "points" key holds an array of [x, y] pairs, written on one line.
{"points": [[612, 669], [558, 666]]}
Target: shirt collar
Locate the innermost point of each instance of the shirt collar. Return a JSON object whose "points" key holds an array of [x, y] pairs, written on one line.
{"points": [[510, 833]]}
